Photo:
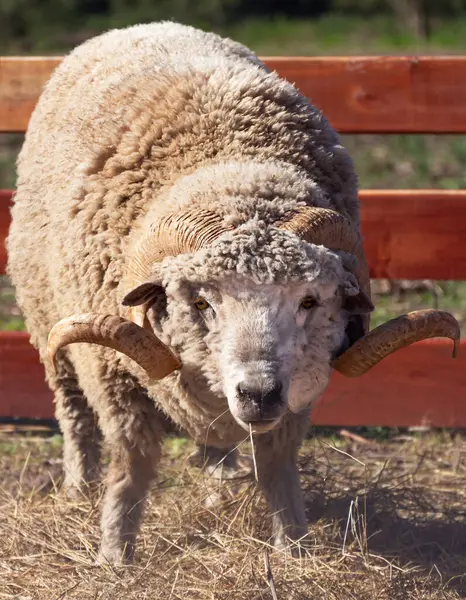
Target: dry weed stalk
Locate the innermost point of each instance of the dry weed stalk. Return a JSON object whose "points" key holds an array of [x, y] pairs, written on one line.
{"points": [[402, 504]]}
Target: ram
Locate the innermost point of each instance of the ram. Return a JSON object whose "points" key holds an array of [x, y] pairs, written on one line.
{"points": [[195, 220]]}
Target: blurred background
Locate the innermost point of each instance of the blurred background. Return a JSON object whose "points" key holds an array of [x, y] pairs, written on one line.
{"points": [[281, 27], [303, 27]]}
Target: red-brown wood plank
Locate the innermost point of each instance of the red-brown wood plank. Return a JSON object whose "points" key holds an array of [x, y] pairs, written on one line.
{"points": [[413, 94], [420, 385], [415, 234], [5, 200], [408, 234], [23, 391], [384, 94], [21, 82]]}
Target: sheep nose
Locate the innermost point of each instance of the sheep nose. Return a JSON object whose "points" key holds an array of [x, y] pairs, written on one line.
{"points": [[260, 397]]}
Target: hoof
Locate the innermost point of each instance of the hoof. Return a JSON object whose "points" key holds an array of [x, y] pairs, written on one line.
{"points": [[221, 464], [74, 492], [297, 547], [116, 557], [223, 472]]}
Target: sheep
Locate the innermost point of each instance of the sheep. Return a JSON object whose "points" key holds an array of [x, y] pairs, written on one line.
{"points": [[194, 219]]}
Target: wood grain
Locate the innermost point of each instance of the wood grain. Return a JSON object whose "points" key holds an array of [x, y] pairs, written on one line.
{"points": [[415, 234], [23, 391], [384, 94], [381, 94], [21, 82], [419, 385], [5, 202], [408, 234]]}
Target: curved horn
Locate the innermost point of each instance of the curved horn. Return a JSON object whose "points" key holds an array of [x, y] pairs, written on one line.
{"points": [[122, 335], [329, 228], [170, 235], [173, 234], [394, 335]]}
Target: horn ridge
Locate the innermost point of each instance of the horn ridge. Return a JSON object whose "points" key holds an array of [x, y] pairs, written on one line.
{"points": [[117, 333], [327, 227], [172, 234], [394, 335]]}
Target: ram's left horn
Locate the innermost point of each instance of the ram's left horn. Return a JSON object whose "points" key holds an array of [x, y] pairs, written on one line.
{"points": [[394, 335]]}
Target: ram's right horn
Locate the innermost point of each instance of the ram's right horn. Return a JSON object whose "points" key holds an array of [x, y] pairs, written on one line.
{"points": [[172, 234], [122, 335]]}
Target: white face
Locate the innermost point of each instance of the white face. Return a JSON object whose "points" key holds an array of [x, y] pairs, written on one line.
{"points": [[271, 345], [267, 348], [264, 346]]}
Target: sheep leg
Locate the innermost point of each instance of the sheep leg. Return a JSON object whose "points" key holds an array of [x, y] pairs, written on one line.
{"points": [[220, 463], [278, 476], [129, 478], [81, 434], [134, 454]]}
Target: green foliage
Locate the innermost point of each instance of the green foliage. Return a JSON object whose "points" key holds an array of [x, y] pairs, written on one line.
{"points": [[12, 324], [55, 25], [209, 12], [361, 6], [50, 24], [371, 7]]}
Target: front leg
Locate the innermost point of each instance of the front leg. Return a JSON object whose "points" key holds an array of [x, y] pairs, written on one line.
{"points": [[220, 463], [276, 459], [130, 475], [134, 433]]}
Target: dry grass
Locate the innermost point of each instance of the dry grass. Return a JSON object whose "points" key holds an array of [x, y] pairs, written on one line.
{"points": [[387, 521]]}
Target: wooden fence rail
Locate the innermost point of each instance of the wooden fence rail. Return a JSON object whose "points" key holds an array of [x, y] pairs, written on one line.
{"points": [[408, 234], [358, 94]]}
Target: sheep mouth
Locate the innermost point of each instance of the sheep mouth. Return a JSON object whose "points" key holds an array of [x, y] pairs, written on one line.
{"points": [[259, 425]]}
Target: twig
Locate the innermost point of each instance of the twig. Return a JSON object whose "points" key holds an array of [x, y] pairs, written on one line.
{"points": [[348, 521], [70, 589], [355, 437], [269, 575], [23, 469], [344, 453], [253, 453], [174, 583], [208, 429]]}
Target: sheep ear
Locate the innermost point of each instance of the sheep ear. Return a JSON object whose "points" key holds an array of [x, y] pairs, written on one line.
{"points": [[357, 324], [142, 294], [354, 299], [359, 304]]}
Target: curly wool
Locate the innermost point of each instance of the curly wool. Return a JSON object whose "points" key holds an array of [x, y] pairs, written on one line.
{"points": [[244, 190], [143, 121], [135, 124], [260, 253]]}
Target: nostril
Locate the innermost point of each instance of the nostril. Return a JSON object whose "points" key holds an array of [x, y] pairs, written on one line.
{"points": [[241, 389], [274, 395], [249, 394], [260, 396]]}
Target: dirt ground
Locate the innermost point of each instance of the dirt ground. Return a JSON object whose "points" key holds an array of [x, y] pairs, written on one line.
{"points": [[387, 520]]}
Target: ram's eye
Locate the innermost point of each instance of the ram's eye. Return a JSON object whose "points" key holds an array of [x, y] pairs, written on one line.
{"points": [[308, 302], [201, 303]]}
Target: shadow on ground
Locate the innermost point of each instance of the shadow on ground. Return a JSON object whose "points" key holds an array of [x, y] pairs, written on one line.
{"points": [[409, 509]]}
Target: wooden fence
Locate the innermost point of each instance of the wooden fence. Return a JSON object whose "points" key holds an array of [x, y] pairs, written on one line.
{"points": [[408, 234]]}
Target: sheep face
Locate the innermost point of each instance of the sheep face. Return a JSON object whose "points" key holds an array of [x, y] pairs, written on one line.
{"points": [[269, 345], [256, 330]]}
